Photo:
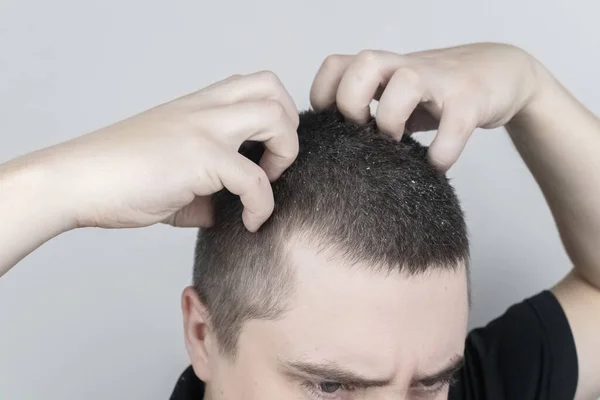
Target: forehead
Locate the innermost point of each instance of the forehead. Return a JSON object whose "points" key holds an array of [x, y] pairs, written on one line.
{"points": [[372, 321]]}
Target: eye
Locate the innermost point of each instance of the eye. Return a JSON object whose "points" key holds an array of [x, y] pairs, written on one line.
{"points": [[329, 387], [432, 387]]}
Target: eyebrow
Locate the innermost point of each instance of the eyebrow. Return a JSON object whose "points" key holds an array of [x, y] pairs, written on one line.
{"points": [[331, 371], [445, 375]]}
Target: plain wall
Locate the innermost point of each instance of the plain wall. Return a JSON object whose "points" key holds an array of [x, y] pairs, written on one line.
{"points": [[95, 314]]}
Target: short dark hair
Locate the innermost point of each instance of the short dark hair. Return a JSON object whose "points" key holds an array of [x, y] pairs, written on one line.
{"points": [[354, 191]]}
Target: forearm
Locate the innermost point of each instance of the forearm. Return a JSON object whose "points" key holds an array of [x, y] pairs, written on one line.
{"points": [[31, 209], [559, 139]]}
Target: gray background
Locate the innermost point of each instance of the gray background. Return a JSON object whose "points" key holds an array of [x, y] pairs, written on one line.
{"points": [[95, 314]]}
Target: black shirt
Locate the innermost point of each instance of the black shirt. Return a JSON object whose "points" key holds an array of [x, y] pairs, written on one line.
{"points": [[526, 354]]}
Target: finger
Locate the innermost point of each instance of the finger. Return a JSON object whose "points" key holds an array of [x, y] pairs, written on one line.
{"points": [[401, 97], [197, 214], [244, 178], [262, 85], [456, 126], [369, 71], [265, 121], [327, 80]]}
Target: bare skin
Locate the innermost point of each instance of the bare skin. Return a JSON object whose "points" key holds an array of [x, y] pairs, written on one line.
{"points": [[459, 89], [160, 165], [347, 334]]}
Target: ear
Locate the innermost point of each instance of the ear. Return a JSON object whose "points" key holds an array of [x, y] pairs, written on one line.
{"points": [[196, 328]]}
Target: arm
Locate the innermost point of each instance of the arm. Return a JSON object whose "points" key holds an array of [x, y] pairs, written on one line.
{"points": [[559, 139], [30, 210], [488, 85], [159, 166]]}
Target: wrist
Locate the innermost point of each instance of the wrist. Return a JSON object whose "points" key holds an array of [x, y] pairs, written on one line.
{"points": [[542, 88]]}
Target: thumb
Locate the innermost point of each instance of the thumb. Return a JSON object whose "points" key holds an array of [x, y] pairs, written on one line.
{"points": [[197, 214]]}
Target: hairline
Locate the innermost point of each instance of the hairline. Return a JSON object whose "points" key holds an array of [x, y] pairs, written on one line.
{"points": [[285, 249]]}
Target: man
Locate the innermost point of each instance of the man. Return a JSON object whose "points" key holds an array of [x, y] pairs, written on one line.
{"points": [[545, 348], [358, 281], [356, 285]]}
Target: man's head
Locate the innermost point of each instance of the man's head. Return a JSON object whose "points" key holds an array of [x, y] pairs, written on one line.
{"points": [[361, 271]]}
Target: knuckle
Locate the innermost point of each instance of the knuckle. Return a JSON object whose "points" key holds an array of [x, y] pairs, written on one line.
{"points": [[368, 56], [290, 152], [296, 120], [295, 146], [258, 176], [269, 77], [274, 108], [257, 179], [332, 61], [270, 208]]}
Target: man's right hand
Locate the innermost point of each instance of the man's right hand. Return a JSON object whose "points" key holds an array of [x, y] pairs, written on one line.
{"points": [[159, 166], [163, 164]]}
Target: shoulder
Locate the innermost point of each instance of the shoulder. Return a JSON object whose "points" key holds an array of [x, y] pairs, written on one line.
{"points": [[527, 353]]}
